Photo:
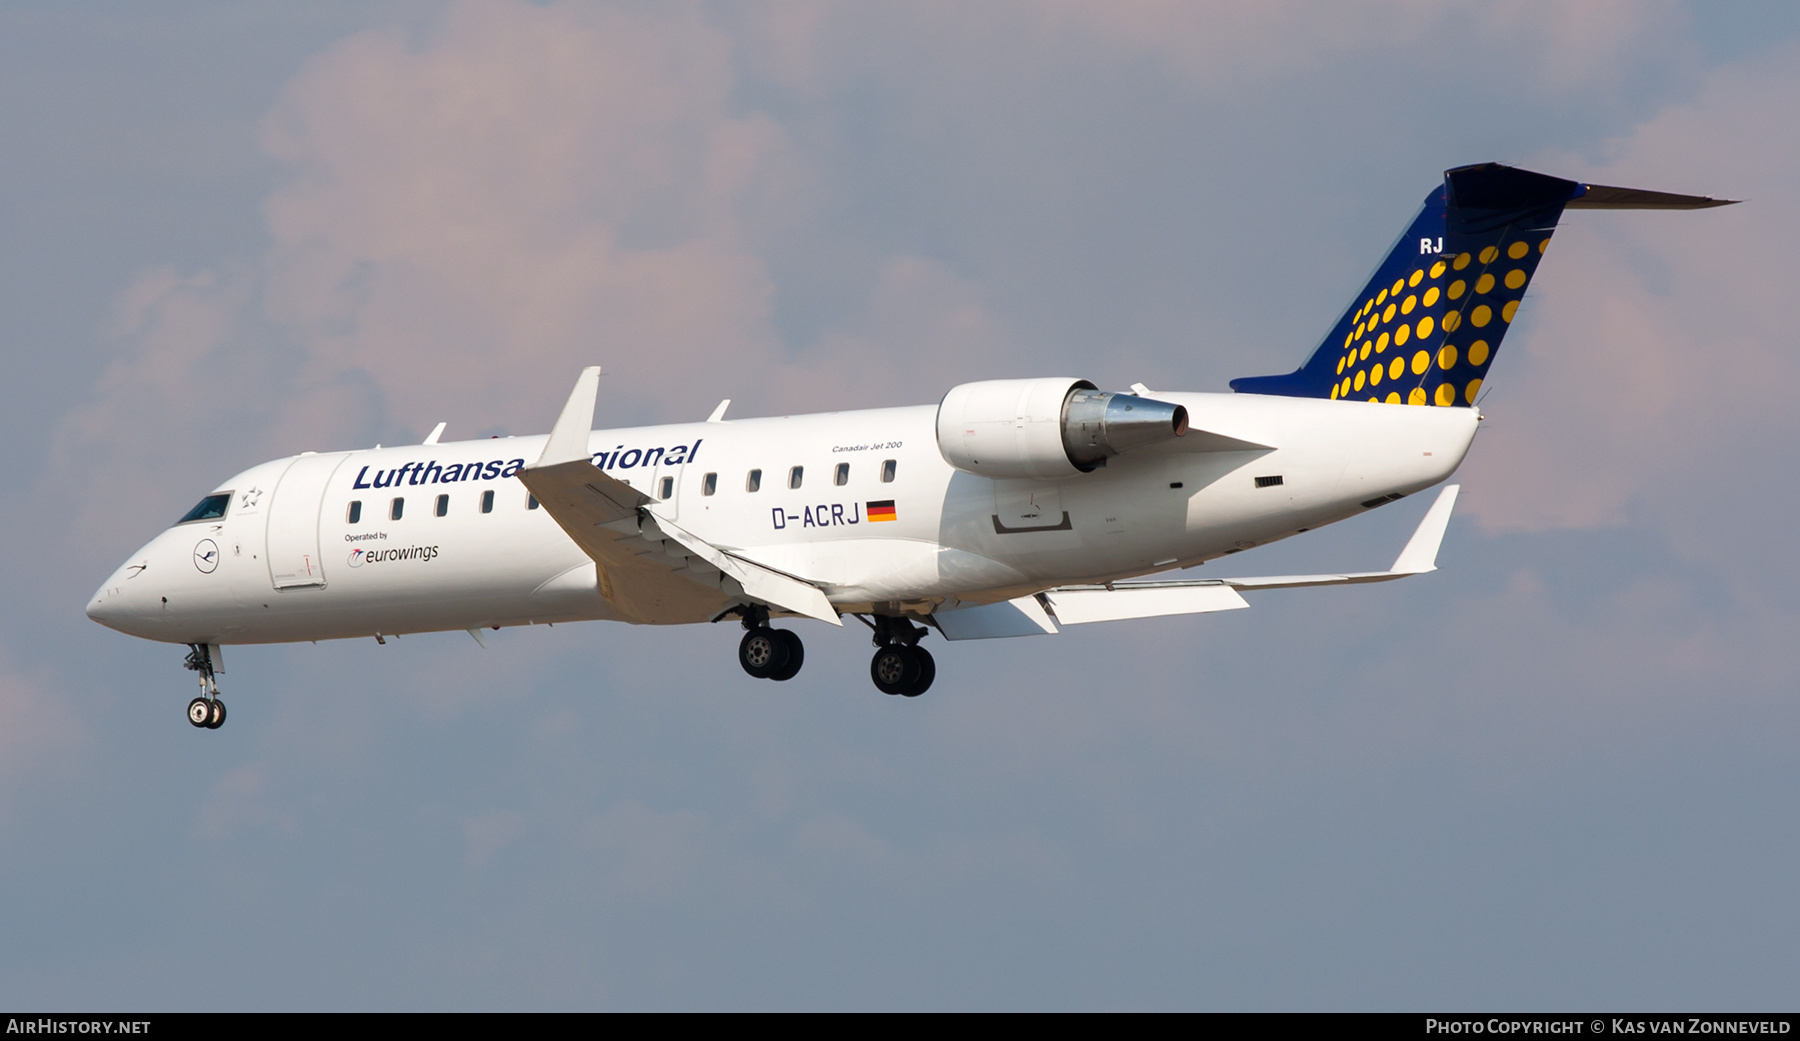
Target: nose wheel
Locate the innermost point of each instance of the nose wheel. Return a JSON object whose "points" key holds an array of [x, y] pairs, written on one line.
{"points": [[207, 710]]}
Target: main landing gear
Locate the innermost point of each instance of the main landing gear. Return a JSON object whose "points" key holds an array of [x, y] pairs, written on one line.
{"points": [[769, 654], [900, 665], [206, 710]]}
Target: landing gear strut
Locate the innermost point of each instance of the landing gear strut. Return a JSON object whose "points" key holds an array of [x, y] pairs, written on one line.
{"points": [[900, 665], [766, 653], [206, 710]]}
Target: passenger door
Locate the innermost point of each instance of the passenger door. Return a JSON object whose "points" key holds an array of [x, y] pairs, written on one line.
{"points": [[293, 539]]}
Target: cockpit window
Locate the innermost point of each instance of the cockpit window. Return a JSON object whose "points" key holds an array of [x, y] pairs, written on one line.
{"points": [[211, 508]]}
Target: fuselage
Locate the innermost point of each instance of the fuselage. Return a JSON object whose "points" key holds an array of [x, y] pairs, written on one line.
{"points": [[862, 504]]}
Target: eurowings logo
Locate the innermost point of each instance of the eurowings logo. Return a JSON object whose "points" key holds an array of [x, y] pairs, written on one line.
{"points": [[360, 555]]}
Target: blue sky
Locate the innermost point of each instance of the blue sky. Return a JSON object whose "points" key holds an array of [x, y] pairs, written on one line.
{"points": [[1559, 773]]}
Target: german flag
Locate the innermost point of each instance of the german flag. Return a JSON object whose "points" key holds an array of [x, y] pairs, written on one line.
{"points": [[882, 511]]}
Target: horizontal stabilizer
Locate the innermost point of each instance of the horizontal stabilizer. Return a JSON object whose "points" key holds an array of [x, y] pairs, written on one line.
{"points": [[1606, 197]]}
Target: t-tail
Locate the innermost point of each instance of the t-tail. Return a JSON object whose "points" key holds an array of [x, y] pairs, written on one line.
{"points": [[1427, 326]]}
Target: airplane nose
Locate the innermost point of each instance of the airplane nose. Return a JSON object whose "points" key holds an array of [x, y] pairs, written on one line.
{"points": [[107, 606], [117, 604]]}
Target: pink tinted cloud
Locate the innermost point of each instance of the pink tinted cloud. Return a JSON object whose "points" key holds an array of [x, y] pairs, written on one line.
{"points": [[812, 45], [1656, 352], [525, 190]]}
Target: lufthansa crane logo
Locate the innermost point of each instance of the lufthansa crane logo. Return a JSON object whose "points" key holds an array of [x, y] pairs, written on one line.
{"points": [[206, 556]]}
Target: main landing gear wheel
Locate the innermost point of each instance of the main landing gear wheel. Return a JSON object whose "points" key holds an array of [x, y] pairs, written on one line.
{"points": [[906, 671], [900, 665], [771, 654], [796, 654], [758, 650]]}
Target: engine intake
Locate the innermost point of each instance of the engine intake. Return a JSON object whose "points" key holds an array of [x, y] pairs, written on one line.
{"points": [[1047, 428]]}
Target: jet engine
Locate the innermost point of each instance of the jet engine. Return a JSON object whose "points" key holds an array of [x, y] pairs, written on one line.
{"points": [[1047, 428]]}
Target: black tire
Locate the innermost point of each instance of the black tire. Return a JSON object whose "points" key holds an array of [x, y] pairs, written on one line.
{"points": [[218, 715], [762, 652], [199, 712], [895, 669], [796, 655], [927, 673]]}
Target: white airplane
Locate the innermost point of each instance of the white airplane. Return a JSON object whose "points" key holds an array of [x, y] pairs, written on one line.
{"points": [[1009, 508]]}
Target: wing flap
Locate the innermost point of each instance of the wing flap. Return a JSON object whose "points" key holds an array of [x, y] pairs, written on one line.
{"points": [[600, 515], [760, 582], [647, 567], [1024, 616], [1077, 605]]}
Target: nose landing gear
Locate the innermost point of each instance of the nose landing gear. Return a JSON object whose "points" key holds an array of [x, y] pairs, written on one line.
{"points": [[206, 710], [900, 665]]}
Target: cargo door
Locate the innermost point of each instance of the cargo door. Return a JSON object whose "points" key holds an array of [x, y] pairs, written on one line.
{"points": [[293, 545]]}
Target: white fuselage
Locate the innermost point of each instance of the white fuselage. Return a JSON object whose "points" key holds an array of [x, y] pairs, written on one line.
{"points": [[287, 562]]}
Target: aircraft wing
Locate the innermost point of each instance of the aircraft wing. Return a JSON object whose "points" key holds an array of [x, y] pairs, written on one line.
{"points": [[648, 568], [1074, 605]]}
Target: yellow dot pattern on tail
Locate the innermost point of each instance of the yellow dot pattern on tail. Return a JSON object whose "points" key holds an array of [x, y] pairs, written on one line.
{"points": [[1425, 330]]}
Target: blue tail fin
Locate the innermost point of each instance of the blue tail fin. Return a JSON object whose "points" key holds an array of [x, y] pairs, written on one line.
{"points": [[1426, 327]]}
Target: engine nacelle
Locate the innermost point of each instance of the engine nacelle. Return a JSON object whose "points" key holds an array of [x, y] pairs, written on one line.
{"points": [[1047, 428]]}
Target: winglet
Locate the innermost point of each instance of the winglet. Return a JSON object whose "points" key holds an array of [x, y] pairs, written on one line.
{"points": [[569, 437], [436, 432], [1420, 554], [718, 414]]}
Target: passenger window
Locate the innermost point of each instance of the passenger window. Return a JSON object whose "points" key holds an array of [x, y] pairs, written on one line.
{"points": [[710, 484], [843, 474], [487, 501], [397, 508], [668, 487], [531, 502], [443, 505], [753, 481], [354, 514], [887, 471], [211, 508], [795, 475]]}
